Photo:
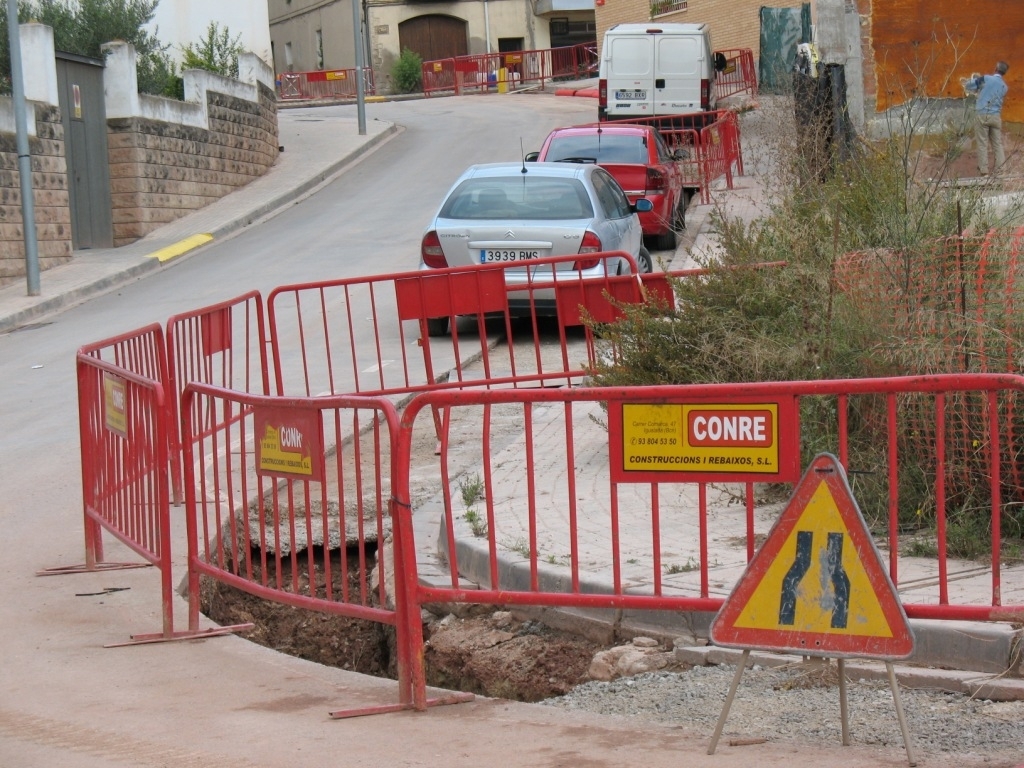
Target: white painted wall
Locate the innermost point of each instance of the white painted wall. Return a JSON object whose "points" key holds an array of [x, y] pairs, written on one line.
{"points": [[180, 22]]}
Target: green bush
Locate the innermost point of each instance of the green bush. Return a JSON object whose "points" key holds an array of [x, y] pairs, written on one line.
{"points": [[745, 322], [216, 52], [407, 72]]}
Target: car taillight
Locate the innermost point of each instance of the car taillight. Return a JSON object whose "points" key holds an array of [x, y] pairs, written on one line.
{"points": [[656, 181], [705, 95], [430, 251], [591, 244], [602, 100]]}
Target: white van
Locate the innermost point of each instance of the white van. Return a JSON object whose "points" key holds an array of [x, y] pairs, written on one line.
{"points": [[656, 69]]}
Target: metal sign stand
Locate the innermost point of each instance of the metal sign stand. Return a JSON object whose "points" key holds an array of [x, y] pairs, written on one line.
{"points": [[819, 553], [843, 708]]}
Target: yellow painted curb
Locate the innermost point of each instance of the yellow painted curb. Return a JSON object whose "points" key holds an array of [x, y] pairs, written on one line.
{"points": [[180, 247], [374, 98]]}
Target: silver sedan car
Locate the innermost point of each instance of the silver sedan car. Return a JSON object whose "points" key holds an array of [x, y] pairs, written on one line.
{"points": [[514, 212]]}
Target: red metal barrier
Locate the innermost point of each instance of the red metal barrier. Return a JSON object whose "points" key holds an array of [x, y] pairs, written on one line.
{"points": [[137, 357], [549, 505], [710, 142], [489, 72], [123, 427], [223, 344], [357, 335], [323, 84], [439, 76], [290, 500], [739, 75]]}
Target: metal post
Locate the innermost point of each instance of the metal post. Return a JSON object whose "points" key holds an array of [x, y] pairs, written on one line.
{"points": [[357, 39], [728, 701], [28, 210], [844, 709]]}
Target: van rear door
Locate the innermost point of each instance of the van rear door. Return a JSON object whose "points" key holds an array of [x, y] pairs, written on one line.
{"points": [[630, 75], [679, 63]]}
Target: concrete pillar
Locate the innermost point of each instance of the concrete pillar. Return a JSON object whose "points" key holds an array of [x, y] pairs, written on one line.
{"points": [[120, 80], [38, 64]]}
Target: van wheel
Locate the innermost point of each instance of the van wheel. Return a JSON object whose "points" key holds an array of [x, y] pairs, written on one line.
{"points": [[437, 326], [643, 261]]}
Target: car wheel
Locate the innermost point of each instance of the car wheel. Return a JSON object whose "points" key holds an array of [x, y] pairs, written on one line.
{"points": [[437, 326], [684, 203], [667, 241], [643, 261]]}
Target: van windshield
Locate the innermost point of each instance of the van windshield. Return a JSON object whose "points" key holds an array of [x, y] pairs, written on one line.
{"points": [[597, 149]]}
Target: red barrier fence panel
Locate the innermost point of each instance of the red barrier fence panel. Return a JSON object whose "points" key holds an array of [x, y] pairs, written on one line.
{"points": [[439, 77], [124, 439], [224, 344], [709, 143], [739, 75], [290, 500], [719, 153], [584, 502], [489, 72], [140, 353], [323, 84], [371, 335]]}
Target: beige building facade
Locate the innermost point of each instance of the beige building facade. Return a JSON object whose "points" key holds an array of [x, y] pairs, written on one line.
{"points": [[311, 35]]}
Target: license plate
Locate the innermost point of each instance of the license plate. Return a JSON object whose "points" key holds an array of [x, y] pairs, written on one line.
{"points": [[491, 255], [630, 95]]}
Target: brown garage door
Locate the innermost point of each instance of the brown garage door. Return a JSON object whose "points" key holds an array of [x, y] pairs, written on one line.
{"points": [[434, 37]]}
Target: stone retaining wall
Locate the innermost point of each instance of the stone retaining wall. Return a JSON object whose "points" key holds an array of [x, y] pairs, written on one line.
{"points": [[160, 171], [50, 196]]}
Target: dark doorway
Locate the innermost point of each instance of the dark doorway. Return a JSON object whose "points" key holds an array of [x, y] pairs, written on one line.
{"points": [[84, 117], [434, 37], [510, 44]]}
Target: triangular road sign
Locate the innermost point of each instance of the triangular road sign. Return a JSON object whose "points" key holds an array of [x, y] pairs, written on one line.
{"points": [[817, 585]]}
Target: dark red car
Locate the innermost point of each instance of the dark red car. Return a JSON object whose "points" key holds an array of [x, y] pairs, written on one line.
{"points": [[638, 158]]}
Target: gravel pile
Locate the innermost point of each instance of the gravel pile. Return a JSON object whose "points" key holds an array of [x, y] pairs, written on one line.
{"points": [[802, 705]]}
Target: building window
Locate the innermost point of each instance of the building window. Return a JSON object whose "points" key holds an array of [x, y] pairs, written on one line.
{"points": [[659, 7]]}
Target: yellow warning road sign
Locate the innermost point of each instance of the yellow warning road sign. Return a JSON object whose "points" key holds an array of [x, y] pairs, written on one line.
{"points": [[817, 585]]}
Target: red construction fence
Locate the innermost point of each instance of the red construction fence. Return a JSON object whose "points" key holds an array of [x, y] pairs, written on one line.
{"points": [[494, 72], [324, 84], [709, 143], [306, 496]]}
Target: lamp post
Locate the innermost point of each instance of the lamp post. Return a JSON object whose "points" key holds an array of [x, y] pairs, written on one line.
{"points": [[28, 211]]}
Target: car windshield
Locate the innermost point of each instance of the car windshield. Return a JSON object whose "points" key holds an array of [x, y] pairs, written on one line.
{"points": [[529, 197], [597, 148]]}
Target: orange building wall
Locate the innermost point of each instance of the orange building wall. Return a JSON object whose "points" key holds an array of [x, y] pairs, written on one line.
{"points": [[933, 43]]}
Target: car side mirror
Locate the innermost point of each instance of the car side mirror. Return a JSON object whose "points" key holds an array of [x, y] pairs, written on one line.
{"points": [[531, 157], [720, 62], [642, 205]]}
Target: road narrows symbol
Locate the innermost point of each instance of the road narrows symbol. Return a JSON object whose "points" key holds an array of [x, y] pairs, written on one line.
{"points": [[840, 581], [787, 603], [818, 584]]}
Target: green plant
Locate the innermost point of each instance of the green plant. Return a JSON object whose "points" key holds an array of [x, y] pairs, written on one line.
{"points": [[83, 26], [215, 52], [817, 317], [687, 567], [476, 523], [520, 546], [471, 489], [407, 72]]}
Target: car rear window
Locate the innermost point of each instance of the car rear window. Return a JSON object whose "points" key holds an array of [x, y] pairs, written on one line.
{"points": [[527, 197], [598, 148]]}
